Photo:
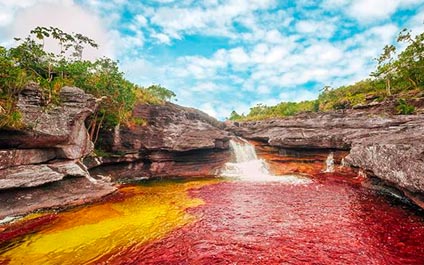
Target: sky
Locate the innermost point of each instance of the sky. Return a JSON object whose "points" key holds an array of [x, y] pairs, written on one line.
{"points": [[220, 56]]}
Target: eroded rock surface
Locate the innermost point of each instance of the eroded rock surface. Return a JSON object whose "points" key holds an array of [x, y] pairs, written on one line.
{"points": [[334, 130], [67, 192], [40, 163], [397, 158], [31, 156], [173, 141], [60, 127]]}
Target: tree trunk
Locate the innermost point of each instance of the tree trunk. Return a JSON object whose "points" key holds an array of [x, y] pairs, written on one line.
{"points": [[414, 84], [99, 125], [388, 87]]}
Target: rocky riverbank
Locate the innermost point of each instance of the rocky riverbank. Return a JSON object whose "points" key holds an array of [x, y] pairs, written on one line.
{"points": [[390, 147], [48, 162], [41, 162]]}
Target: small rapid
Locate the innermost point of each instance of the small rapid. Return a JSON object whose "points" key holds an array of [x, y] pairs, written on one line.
{"points": [[248, 167], [329, 163]]}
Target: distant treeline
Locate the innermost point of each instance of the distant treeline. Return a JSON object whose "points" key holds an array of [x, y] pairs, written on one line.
{"points": [[398, 74]]}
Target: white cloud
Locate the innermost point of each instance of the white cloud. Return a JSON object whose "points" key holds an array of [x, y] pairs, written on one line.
{"points": [[264, 89], [323, 29], [238, 56], [373, 10], [141, 20], [162, 38], [416, 23], [212, 19], [62, 14], [366, 10], [297, 96]]}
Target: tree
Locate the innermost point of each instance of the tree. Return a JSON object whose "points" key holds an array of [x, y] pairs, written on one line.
{"points": [[386, 68], [234, 116], [161, 92]]}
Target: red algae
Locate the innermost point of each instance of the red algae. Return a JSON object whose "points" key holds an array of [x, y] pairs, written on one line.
{"points": [[24, 227], [330, 221]]}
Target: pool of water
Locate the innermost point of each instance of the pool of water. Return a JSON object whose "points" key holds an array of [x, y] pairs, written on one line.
{"points": [[330, 219]]}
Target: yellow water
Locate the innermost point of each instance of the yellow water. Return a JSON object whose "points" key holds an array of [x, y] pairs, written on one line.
{"points": [[83, 235]]}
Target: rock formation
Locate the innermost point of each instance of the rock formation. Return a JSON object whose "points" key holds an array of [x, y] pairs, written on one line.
{"points": [[40, 163], [171, 141], [390, 147], [47, 150]]}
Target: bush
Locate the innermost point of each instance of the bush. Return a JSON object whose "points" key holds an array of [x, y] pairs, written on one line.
{"points": [[404, 108]]}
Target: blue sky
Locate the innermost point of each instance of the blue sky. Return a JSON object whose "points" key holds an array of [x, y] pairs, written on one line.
{"points": [[220, 56]]}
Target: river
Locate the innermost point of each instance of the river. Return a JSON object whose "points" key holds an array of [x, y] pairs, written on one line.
{"points": [[248, 216]]}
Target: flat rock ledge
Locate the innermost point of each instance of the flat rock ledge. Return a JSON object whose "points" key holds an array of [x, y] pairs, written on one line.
{"points": [[65, 193]]}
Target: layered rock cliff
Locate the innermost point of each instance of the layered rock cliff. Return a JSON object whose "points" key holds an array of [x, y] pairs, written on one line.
{"points": [[41, 163], [38, 158], [390, 147], [171, 141]]}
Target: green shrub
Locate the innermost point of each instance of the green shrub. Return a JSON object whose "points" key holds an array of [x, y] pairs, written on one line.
{"points": [[404, 108]]}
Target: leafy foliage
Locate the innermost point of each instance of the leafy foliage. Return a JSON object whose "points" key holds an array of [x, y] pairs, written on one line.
{"points": [[404, 108], [283, 109]]}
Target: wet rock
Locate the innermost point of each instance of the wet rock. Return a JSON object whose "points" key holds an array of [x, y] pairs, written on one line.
{"points": [[36, 175], [163, 164], [28, 176], [93, 161]]}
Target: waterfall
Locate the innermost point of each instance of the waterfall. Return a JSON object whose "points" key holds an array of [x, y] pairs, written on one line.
{"points": [[343, 163], [243, 150], [329, 163], [362, 174], [247, 166]]}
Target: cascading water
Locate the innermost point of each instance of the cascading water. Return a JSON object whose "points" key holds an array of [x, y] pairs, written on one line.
{"points": [[247, 166], [329, 163]]}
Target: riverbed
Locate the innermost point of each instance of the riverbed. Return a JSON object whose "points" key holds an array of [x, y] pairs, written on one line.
{"points": [[251, 216]]}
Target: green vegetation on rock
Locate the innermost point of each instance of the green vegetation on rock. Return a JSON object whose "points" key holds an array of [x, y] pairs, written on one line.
{"points": [[29, 61], [398, 75]]}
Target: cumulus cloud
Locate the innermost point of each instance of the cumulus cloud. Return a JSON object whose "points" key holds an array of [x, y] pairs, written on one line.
{"points": [[65, 15], [210, 19], [318, 28]]}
